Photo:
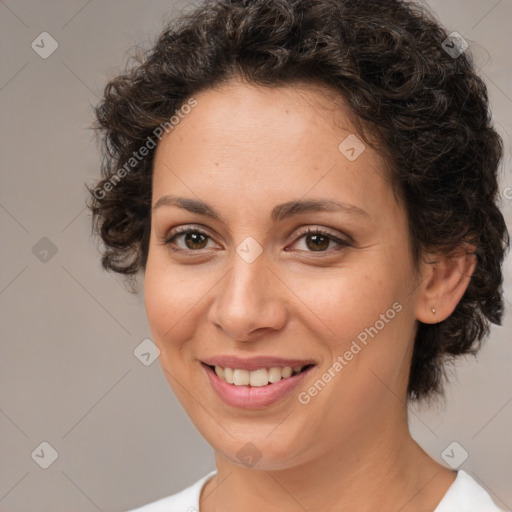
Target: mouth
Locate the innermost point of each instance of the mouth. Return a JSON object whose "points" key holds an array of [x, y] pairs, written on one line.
{"points": [[257, 385], [256, 378]]}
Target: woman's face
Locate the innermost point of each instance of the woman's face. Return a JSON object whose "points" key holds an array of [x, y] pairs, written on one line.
{"points": [[249, 289]]}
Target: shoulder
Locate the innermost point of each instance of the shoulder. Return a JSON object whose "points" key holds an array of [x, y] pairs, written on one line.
{"points": [[466, 495], [186, 500]]}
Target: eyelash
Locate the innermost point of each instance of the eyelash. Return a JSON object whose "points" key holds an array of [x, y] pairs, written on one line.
{"points": [[169, 238]]}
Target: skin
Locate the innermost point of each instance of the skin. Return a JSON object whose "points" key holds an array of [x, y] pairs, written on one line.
{"points": [[244, 149]]}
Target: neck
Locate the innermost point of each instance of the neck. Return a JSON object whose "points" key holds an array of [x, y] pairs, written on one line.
{"points": [[372, 470]]}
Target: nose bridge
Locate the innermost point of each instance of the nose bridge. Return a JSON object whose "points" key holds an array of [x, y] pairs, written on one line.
{"points": [[246, 287], [244, 284], [248, 299]]}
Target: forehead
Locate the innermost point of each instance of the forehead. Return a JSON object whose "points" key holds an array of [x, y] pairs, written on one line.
{"points": [[288, 140], [274, 114]]}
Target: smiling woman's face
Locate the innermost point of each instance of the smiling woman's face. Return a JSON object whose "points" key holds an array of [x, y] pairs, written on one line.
{"points": [[251, 290]]}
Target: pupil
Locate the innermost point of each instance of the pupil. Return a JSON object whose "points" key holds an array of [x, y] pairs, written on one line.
{"points": [[316, 237], [193, 237]]}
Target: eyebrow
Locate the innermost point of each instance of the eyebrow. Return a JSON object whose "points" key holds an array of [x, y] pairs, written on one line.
{"points": [[279, 212]]}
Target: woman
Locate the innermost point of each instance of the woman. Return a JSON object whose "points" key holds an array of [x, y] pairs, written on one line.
{"points": [[310, 190]]}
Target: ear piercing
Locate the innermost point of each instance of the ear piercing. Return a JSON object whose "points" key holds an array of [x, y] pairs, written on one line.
{"points": [[433, 311]]}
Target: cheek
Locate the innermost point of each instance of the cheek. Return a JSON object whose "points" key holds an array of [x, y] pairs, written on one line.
{"points": [[158, 300], [349, 301], [168, 297], [175, 298], [366, 318]]}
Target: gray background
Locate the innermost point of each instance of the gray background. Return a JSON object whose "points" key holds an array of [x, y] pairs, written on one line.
{"points": [[68, 375]]}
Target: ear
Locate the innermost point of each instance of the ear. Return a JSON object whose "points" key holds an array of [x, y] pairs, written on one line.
{"points": [[445, 279]]}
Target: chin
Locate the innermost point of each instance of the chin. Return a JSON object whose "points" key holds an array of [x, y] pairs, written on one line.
{"points": [[262, 450]]}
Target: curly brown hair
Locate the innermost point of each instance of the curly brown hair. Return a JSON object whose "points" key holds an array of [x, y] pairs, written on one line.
{"points": [[427, 110]]}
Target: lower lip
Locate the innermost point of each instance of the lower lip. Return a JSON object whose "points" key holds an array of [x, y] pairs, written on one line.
{"points": [[249, 397]]}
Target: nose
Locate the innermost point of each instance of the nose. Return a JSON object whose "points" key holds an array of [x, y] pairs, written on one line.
{"points": [[250, 301]]}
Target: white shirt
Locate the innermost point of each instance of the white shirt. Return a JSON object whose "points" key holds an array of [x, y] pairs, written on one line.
{"points": [[464, 495]]}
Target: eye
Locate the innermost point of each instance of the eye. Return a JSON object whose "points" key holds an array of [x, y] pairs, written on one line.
{"points": [[317, 240], [195, 240]]}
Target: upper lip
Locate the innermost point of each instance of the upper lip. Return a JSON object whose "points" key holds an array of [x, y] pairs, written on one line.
{"points": [[255, 363]]}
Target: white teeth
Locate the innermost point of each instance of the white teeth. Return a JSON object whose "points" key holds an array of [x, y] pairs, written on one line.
{"points": [[228, 375], [286, 372], [274, 375], [240, 377], [256, 378], [219, 371]]}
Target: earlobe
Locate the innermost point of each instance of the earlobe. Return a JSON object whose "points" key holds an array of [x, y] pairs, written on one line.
{"points": [[446, 282]]}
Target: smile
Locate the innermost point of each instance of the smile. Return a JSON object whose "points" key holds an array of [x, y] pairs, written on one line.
{"points": [[256, 378], [254, 383]]}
